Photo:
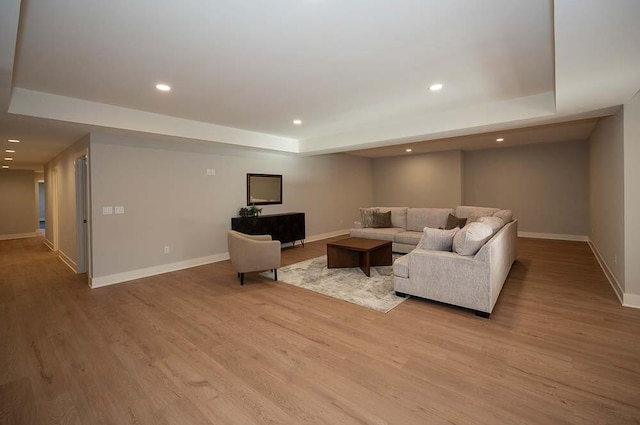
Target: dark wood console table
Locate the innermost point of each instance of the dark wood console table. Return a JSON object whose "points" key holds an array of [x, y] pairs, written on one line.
{"points": [[287, 227]]}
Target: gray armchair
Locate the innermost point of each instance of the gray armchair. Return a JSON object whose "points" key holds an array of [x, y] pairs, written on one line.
{"points": [[251, 253]]}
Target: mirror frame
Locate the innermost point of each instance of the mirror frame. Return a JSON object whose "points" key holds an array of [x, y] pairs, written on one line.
{"points": [[249, 176]]}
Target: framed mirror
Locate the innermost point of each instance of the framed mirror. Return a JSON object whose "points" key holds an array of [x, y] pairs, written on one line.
{"points": [[264, 189]]}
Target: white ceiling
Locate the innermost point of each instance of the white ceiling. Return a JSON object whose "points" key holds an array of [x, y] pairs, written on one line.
{"points": [[356, 72], [571, 131]]}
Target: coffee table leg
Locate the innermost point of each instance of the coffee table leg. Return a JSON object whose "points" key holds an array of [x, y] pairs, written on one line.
{"points": [[382, 257], [365, 263]]}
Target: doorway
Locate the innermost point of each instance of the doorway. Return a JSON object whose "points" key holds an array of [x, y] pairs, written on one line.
{"points": [[41, 209], [82, 216]]}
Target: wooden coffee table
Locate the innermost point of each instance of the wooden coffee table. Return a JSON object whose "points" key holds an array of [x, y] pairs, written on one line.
{"points": [[359, 252]]}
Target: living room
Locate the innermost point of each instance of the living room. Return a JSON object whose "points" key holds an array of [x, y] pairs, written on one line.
{"points": [[142, 319], [548, 186]]}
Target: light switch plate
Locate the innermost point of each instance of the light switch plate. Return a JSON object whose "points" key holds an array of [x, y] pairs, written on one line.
{"points": [[119, 210], [107, 210]]}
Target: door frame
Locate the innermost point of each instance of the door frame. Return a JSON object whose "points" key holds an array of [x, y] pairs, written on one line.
{"points": [[83, 212]]}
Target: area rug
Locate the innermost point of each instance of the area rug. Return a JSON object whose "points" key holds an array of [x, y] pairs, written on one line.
{"points": [[349, 284]]}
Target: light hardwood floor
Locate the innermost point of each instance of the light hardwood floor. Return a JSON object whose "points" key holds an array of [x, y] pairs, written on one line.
{"points": [[194, 347]]}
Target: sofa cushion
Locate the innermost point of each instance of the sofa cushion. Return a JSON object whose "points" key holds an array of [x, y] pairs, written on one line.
{"points": [[371, 233], [419, 218], [468, 240], [382, 219], [496, 223], [469, 211], [505, 215], [453, 222], [366, 216], [401, 267], [437, 239], [408, 237], [398, 216]]}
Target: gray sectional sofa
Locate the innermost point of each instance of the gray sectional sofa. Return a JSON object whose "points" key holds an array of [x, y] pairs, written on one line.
{"points": [[473, 280]]}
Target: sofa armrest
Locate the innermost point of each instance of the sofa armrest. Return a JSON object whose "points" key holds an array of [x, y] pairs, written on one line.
{"points": [[450, 278], [500, 252]]}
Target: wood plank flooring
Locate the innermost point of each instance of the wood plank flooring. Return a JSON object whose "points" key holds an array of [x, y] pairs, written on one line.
{"points": [[195, 347]]}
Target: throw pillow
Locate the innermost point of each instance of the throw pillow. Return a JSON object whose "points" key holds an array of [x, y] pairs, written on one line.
{"points": [[505, 215], [437, 239], [366, 216], [453, 222], [470, 239], [496, 223], [381, 219]]}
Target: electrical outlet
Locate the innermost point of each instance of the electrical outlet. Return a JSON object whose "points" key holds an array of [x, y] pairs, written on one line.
{"points": [[211, 171], [166, 249], [119, 210], [107, 210]]}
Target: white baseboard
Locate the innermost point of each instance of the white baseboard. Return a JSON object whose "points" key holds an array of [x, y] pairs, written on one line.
{"points": [[617, 288], [631, 300], [18, 236], [68, 261], [97, 282], [327, 235], [556, 236], [319, 237], [48, 243]]}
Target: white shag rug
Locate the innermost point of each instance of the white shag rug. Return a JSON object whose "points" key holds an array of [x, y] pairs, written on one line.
{"points": [[349, 284]]}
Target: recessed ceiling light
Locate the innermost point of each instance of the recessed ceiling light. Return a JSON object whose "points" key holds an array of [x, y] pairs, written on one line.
{"points": [[436, 87], [297, 122], [163, 87], [10, 151], [8, 159], [408, 150], [500, 140], [5, 166], [14, 141]]}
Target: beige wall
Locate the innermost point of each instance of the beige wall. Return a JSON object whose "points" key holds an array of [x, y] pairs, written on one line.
{"points": [[170, 201], [606, 200], [545, 185], [60, 188], [632, 200], [18, 200], [423, 180]]}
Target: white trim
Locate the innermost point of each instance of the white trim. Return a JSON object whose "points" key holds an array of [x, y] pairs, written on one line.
{"points": [[18, 236], [68, 261], [556, 236], [48, 243], [319, 237], [97, 282], [617, 288], [631, 300], [327, 235]]}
